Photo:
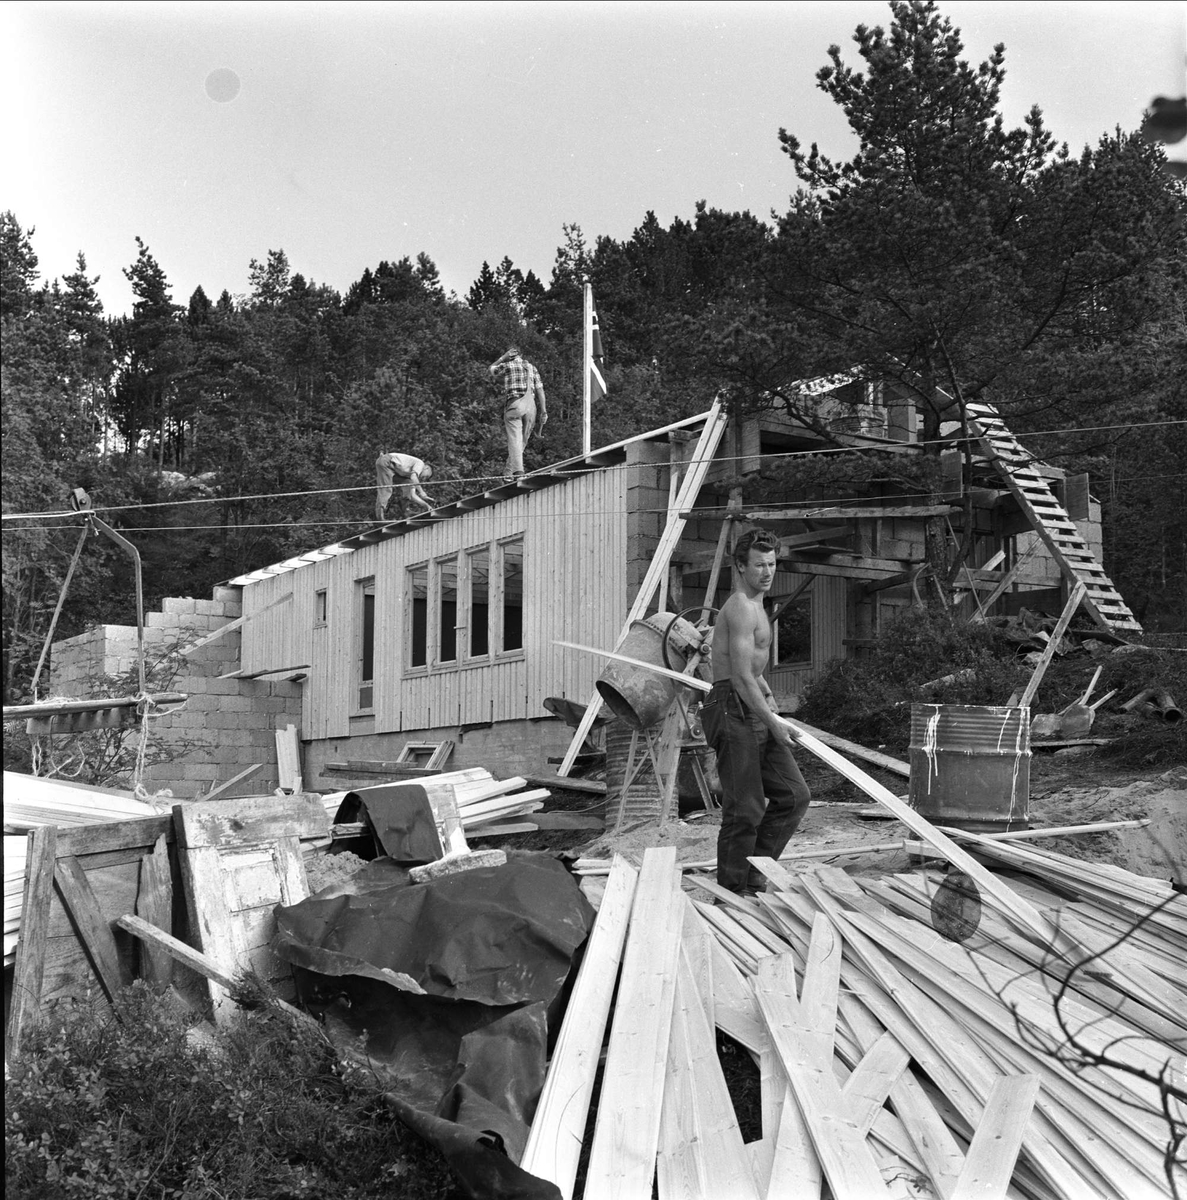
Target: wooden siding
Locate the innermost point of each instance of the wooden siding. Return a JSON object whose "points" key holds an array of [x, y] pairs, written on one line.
{"points": [[829, 608], [574, 588]]}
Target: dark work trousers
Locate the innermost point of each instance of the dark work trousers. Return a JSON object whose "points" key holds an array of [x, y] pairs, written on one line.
{"points": [[764, 795]]}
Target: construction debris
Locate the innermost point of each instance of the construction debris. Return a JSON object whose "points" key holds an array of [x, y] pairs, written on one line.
{"points": [[887, 1052], [1027, 1060], [1155, 702]]}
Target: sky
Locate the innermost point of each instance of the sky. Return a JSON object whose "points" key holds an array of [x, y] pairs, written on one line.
{"points": [[346, 134]]}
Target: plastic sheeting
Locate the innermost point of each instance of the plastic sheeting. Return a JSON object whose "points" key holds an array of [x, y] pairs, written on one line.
{"points": [[452, 983]]}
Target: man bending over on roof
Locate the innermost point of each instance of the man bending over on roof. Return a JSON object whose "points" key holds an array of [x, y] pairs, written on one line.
{"points": [[403, 474], [520, 386], [764, 795]]}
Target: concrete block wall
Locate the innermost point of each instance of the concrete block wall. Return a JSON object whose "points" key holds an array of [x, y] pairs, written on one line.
{"points": [[225, 725], [647, 504]]}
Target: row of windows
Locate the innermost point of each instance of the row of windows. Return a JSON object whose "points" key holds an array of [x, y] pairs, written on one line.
{"points": [[467, 609], [463, 606], [460, 609]]}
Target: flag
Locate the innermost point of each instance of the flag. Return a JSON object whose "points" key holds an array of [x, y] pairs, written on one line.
{"points": [[597, 383]]}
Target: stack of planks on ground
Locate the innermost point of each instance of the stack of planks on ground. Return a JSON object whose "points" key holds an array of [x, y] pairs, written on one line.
{"points": [[30, 801], [485, 804], [893, 1062]]}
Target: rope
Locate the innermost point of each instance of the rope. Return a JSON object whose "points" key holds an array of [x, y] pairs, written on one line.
{"points": [[145, 706]]}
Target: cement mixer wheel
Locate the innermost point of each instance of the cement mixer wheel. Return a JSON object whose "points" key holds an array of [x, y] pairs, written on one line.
{"points": [[702, 626]]}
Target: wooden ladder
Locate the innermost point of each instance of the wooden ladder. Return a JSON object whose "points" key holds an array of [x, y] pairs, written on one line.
{"points": [[1049, 518]]}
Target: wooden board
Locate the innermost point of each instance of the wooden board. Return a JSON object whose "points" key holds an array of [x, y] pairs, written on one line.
{"points": [[154, 904], [239, 859], [554, 1143], [701, 1152], [288, 759], [29, 970], [994, 1149], [626, 1137], [839, 1143]]}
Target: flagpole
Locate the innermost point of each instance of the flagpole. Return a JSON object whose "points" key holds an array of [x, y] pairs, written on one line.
{"points": [[586, 356]]}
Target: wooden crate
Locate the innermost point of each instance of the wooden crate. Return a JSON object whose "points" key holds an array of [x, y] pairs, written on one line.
{"points": [[78, 882]]}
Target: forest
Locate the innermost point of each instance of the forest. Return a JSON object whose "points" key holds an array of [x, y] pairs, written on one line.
{"points": [[951, 255]]}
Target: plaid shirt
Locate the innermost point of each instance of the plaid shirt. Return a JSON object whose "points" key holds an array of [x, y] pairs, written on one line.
{"points": [[515, 376]]}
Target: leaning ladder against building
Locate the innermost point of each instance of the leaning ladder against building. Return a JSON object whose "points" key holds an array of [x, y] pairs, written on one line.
{"points": [[1049, 518]]}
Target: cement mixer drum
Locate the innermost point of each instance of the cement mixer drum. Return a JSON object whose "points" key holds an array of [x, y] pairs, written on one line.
{"points": [[641, 698]]}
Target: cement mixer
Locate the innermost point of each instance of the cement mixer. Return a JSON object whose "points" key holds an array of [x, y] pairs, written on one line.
{"points": [[643, 699]]}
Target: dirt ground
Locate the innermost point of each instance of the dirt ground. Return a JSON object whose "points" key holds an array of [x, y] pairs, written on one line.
{"points": [[1075, 789], [1066, 789]]}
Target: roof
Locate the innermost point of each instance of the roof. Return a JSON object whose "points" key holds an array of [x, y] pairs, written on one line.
{"points": [[532, 481]]}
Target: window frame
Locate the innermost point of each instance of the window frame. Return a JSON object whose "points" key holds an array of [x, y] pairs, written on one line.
{"points": [[421, 668], [495, 550], [799, 664], [364, 588]]}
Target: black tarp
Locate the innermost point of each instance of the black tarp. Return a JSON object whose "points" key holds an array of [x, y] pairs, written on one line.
{"points": [[452, 983], [400, 816]]}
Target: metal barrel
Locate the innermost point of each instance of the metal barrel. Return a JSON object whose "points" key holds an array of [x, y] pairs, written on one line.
{"points": [[640, 697], [970, 766]]}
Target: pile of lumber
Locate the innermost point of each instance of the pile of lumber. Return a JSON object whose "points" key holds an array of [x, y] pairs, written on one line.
{"points": [[15, 853], [486, 805], [30, 801], [893, 1062]]}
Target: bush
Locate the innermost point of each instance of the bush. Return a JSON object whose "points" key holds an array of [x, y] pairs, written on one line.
{"points": [[869, 699], [100, 1107]]}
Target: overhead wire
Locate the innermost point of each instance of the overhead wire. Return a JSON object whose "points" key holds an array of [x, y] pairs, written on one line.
{"points": [[809, 508], [768, 456]]}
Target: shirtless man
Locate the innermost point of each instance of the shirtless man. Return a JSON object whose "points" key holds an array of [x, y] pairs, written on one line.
{"points": [[765, 797]]}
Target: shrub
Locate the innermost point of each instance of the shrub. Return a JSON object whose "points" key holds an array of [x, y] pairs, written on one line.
{"points": [[869, 699], [100, 1107]]}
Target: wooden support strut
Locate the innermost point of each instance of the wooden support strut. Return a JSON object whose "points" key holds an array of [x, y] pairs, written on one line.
{"points": [[694, 477]]}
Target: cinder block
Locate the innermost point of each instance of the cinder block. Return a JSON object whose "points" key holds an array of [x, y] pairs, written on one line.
{"points": [[231, 595], [238, 704], [268, 779], [200, 771], [178, 604]]}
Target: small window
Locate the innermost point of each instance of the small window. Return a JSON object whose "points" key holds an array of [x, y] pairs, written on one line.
{"points": [[319, 607], [479, 582], [512, 564], [447, 610], [366, 644], [418, 622], [791, 643]]}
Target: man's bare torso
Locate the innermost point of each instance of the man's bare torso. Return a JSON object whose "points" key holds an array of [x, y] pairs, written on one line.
{"points": [[737, 614]]}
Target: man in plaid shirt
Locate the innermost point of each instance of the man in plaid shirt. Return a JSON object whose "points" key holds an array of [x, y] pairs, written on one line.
{"points": [[519, 383]]}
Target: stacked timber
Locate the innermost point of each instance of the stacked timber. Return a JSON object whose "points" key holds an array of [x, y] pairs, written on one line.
{"points": [[31, 801], [894, 1062], [15, 851], [486, 805]]}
